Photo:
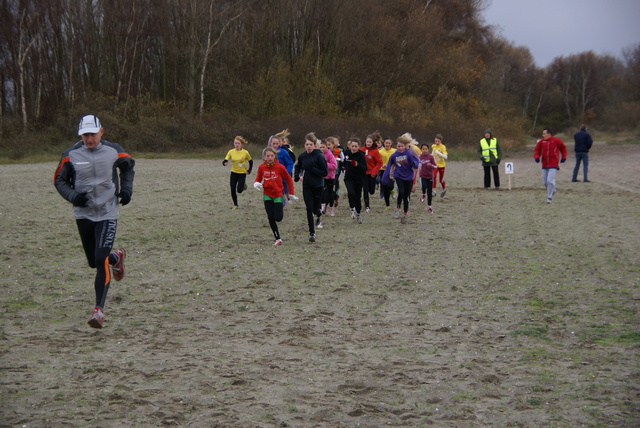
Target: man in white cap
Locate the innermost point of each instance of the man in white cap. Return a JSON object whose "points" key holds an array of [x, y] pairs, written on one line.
{"points": [[87, 176]]}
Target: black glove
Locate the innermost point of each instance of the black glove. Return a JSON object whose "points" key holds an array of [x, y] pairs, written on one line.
{"points": [[125, 197], [80, 200], [563, 160], [537, 160], [225, 162], [296, 178]]}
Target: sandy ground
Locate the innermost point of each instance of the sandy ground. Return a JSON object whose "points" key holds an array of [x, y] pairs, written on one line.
{"points": [[497, 310]]}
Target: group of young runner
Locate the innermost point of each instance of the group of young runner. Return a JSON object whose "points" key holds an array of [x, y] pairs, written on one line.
{"points": [[374, 165]]}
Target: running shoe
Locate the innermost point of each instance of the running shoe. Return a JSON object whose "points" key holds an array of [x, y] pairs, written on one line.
{"points": [[444, 191], [319, 224], [235, 207], [403, 219], [323, 208], [422, 197], [434, 193], [397, 213], [353, 213], [387, 208], [430, 210], [359, 218], [332, 211], [293, 197], [312, 237], [97, 318], [549, 200], [277, 243], [367, 210], [118, 267]]}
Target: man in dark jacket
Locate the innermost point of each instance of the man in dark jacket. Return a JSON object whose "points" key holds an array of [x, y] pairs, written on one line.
{"points": [[583, 143], [87, 176]]}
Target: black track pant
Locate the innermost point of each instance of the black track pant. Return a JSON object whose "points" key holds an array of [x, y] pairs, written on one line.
{"points": [[312, 197], [404, 192], [237, 182], [275, 213], [97, 241], [354, 191]]}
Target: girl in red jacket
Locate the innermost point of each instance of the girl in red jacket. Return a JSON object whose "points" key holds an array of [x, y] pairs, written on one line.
{"points": [[374, 163], [269, 180]]}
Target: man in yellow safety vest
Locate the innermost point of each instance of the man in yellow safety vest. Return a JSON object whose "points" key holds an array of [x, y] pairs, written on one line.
{"points": [[490, 153]]}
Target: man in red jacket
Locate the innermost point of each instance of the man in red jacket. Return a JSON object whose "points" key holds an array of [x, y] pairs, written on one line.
{"points": [[552, 151]]}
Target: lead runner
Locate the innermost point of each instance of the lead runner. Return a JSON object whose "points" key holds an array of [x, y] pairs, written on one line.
{"points": [[87, 176]]}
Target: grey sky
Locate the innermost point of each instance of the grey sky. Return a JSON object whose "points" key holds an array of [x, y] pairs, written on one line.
{"points": [[551, 28]]}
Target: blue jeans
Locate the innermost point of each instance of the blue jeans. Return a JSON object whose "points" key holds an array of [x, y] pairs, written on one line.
{"points": [[584, 158], [549, 180]]}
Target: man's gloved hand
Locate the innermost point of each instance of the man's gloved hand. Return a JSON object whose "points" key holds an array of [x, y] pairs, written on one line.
{"points": [[80, 200], [537, 160], [125, 197]]}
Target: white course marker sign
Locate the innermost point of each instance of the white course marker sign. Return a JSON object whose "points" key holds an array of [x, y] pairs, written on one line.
{"points": [[508, 169]]}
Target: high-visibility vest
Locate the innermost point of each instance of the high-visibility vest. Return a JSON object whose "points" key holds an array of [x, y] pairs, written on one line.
{"points": [[487, 149]]}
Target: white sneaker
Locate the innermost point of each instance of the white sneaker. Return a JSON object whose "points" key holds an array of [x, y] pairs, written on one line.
{"points": [[397, 212], [353, 213], [293, 197], [359, 218], [434, 193], [332, 211], [367, 210], [319, 224]]}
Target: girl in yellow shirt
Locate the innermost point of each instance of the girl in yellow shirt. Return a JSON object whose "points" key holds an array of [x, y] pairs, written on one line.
{"points": [[385, 152], [439, 152], [239, 158]]}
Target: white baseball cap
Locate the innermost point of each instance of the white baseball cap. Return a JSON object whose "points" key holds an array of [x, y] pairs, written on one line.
{"points": [[89, 124]]}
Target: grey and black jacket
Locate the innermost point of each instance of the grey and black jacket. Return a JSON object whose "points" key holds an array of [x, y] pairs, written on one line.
{"points": [[95, 172]]}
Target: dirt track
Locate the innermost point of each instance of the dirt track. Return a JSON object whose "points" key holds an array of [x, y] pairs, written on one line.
{"points": [[498, 310]]}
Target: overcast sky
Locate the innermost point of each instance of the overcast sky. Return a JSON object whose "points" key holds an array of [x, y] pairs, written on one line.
{"points": [[551, 28]]}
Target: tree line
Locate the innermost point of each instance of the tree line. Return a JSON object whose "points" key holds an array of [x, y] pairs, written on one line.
{"points": [[189, 74]]}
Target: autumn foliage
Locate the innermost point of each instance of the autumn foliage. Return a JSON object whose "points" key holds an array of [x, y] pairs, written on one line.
{"points": [[189, 74]]}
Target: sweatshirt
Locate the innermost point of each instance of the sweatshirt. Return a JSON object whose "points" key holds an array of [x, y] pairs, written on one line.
{"points": [[401, 166], [271, 177], [427, 165]]}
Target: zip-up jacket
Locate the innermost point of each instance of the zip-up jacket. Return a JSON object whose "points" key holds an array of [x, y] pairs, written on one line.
{"points": [[355, 166], [550, 151], [314, 167], [583, 142], [374, 160], [95, 172]]}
